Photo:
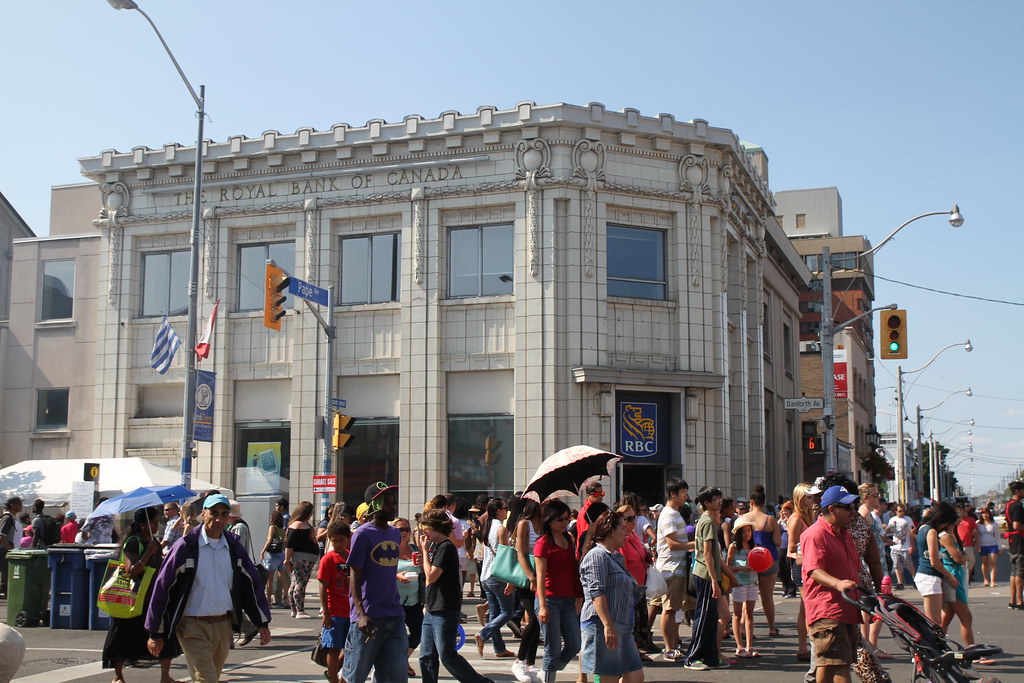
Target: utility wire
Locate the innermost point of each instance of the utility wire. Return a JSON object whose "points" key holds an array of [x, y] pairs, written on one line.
{"points": [[956, 294]]}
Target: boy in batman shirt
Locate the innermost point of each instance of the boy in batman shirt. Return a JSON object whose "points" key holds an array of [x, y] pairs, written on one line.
{"points": [[377, 637]]}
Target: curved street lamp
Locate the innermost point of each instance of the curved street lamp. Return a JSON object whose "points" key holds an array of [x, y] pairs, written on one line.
{"points": [[188, 416], [827, 334]]}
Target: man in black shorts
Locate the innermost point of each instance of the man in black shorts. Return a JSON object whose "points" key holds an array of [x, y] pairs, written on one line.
{"points": [[1015, 529]]}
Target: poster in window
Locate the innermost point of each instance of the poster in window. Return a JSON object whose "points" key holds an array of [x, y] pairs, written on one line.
{"points": [[263, 466]]}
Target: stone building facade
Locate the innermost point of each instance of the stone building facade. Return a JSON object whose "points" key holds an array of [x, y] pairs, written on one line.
{"points": [[508, 283]]}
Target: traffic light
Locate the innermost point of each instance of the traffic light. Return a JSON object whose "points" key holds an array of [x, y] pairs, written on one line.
{"points": [[340, 437], [893, 338], [813, 445], [274, 299]]}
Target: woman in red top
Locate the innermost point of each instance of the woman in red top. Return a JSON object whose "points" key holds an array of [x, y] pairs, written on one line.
{"points": [[558, 587], [637, 560]]}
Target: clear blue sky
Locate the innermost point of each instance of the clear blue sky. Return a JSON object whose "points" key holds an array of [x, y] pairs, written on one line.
{"points": [[905, 107]]}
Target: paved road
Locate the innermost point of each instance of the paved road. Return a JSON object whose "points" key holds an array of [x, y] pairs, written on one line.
{"points": [[67, 655]]}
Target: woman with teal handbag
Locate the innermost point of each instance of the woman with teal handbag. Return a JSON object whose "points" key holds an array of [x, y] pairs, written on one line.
{"points": [[494, 536]]}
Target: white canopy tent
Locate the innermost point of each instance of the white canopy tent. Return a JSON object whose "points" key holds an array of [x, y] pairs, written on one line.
{"points": [[51, 479]]}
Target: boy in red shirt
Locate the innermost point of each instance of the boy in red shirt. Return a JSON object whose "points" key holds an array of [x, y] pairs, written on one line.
{"points": [[334, 604]]}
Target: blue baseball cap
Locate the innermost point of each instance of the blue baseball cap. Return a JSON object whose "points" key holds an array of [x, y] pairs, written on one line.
{"points": [[216, 499], [836, 494]]}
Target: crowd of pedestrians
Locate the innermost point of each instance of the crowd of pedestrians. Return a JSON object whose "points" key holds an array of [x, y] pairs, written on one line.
{"points": [[592, 583]]}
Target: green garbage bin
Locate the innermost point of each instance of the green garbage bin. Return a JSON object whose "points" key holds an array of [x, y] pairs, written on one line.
{"points": [[28, 588]]}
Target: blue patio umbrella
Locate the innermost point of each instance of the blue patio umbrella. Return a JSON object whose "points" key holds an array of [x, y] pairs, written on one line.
{"points": [[142, 497]]}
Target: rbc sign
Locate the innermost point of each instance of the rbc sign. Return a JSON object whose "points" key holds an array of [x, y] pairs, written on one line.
{"points": [[638, 429]]}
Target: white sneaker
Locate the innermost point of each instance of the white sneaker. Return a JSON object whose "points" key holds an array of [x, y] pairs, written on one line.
{"points": [[521, 671], [535, 676]]}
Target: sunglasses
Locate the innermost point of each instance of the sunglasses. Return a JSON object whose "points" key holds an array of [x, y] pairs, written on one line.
{"points": [[840, 506], [631, 518], [404, 529], [599, 494]]}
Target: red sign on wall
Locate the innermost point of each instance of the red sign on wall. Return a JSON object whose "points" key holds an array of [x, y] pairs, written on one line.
{"points": [[839, 369]]}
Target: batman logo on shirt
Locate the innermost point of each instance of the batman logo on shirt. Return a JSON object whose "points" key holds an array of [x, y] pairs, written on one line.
{"points": [[385, 554]]}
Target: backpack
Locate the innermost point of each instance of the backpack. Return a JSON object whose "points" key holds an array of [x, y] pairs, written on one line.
{"points": [[50, 535]]}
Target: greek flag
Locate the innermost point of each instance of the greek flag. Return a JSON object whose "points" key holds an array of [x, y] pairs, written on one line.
{"points": [[164, 347]]}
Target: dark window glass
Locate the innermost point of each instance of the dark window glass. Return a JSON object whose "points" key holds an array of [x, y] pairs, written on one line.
{"points": [[58, 302], [369, 269], [480, 261], [636, 262], [52, 408], [165, 283], [481, 455], [371, 455], [252, 271]]}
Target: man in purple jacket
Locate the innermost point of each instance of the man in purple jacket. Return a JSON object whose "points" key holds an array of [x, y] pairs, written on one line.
{"points": [[205, 583]]}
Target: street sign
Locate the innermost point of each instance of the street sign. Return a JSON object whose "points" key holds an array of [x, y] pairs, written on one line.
{"points": [[803, 404], [325, 483], [306, 291], [339, 403]]}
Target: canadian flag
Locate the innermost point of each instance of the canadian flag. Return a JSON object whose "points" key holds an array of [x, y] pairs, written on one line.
{"points": [[203, 347]]}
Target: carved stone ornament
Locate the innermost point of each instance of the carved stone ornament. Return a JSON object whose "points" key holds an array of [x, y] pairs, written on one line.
{"points": [[312, 219], [418, 234], [533, 161], [116, 203], [693, 182], [588, 164], [211, 225], [114, 264]]}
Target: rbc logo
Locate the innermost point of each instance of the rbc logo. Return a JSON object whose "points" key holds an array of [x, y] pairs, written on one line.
{"points": [[638, 434]]}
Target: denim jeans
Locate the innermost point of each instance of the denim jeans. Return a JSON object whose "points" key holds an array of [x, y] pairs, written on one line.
{"points": [[500, 612], [563, 625], [387, 652], [437, 643]]}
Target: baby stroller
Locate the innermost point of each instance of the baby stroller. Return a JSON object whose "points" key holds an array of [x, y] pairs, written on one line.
{"points": [[936, 660]]}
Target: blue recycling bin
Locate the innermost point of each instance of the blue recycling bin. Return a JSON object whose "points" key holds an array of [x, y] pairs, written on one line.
{"points": [[69, 586], [96, 562]]}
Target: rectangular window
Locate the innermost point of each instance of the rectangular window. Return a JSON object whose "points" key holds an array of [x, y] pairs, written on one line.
{"points": [[58, 301], [801, 221], [813, 262], [767, 340], [636, 262], [262, 458], [787, 348], [371, 455], [165, 283], [252, 270], [481, 455], [369, 269], [480, 260], [52, 408]]}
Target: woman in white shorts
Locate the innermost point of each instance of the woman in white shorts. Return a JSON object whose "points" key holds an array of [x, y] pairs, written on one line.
{"points": [[930, 572]]}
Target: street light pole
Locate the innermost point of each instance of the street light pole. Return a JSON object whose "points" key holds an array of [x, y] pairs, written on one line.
{"points": [[829, 329], [189, 407]]}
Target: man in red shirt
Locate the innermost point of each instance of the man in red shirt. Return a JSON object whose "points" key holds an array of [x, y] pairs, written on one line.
{"points": [[595, 494], [830, 565], [967, 530], [69, 530]]}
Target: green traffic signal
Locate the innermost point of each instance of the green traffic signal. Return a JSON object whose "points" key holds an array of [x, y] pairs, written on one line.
{"points": [[894, 347]]}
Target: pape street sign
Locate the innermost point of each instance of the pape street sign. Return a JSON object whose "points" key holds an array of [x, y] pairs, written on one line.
{"points": [[325, 483], [803, 404], [339, 403], [304, 290]]}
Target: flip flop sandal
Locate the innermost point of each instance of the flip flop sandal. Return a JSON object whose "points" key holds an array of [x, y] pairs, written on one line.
{"points": [[985, 661], [743, 653]]}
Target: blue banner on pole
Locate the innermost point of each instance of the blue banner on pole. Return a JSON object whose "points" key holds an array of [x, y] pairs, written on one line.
{"points": [[205, 388]]}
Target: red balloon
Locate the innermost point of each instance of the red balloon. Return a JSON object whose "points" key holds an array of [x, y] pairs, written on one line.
{"points": [[759, 559]]}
